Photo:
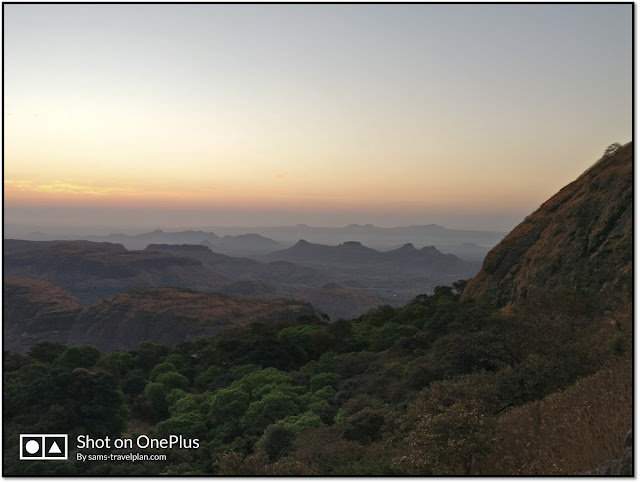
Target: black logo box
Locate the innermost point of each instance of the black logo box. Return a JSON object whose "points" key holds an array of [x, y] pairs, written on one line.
{"points": [[44, 447]]}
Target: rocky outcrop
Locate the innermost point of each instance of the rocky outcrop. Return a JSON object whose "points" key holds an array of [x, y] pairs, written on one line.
{"points": [[581, 238]]}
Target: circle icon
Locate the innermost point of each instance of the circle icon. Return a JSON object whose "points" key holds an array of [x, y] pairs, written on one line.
{"points": [[32, 446]]}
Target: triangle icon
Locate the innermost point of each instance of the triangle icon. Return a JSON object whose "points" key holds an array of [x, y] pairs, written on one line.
{"points": [[55, 448]]}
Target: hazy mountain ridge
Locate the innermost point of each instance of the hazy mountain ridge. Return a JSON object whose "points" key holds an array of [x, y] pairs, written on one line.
{"points": [[281, 277], [238, 268], [245, 244], [582, 237], [471, 245], [355, 253], [397, 274]]}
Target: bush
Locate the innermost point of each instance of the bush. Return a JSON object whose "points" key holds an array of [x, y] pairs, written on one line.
{"points": [[611, 149]]}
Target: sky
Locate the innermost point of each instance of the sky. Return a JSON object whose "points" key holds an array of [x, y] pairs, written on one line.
{"points": [[469, 116]]}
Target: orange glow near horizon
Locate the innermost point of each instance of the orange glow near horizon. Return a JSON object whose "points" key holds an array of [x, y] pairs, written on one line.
{"points": [[372, 197]]}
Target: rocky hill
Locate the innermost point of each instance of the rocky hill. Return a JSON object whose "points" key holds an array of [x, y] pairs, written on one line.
{"points": [[581, 238], [168, 316], [37, 311], [245, 245], [92, 273], [349, 252]]}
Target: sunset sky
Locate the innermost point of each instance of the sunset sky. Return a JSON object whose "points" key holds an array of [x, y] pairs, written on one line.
{"points": [[205, 115]]}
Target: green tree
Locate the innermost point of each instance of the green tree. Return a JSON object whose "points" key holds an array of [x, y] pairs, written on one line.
{"points": [[207, 377], [189, 425], [156, 394], [173, 380], [268, 410], [79, 356], [228, 403], [161, 368], [323, 379]]}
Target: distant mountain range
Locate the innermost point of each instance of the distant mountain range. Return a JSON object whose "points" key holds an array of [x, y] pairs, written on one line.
{"points": [[470, 245], [397, 274], [355, 253], [342, 281], [246, 244]]}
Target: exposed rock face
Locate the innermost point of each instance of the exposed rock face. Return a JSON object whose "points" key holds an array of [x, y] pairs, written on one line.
{"points": [[580, 238], [35, 311]]}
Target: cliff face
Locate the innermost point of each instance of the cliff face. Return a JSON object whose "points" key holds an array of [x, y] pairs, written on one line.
{"points": [[582, 237]]}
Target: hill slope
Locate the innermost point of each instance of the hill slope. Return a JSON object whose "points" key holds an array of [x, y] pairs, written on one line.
{"points": [[239, 268], [36, 311], [338, 301], [168, 316], [582, 237]]}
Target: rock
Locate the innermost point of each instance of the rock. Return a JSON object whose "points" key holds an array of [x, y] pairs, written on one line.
{"points": [[625, 466], [608, 468], [628, 439]]}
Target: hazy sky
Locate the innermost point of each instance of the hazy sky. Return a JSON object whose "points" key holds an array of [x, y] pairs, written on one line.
{"points": [[182, 115]]}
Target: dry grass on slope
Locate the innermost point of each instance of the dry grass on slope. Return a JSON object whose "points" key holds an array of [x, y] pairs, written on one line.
{"points": [[568, 432]]}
